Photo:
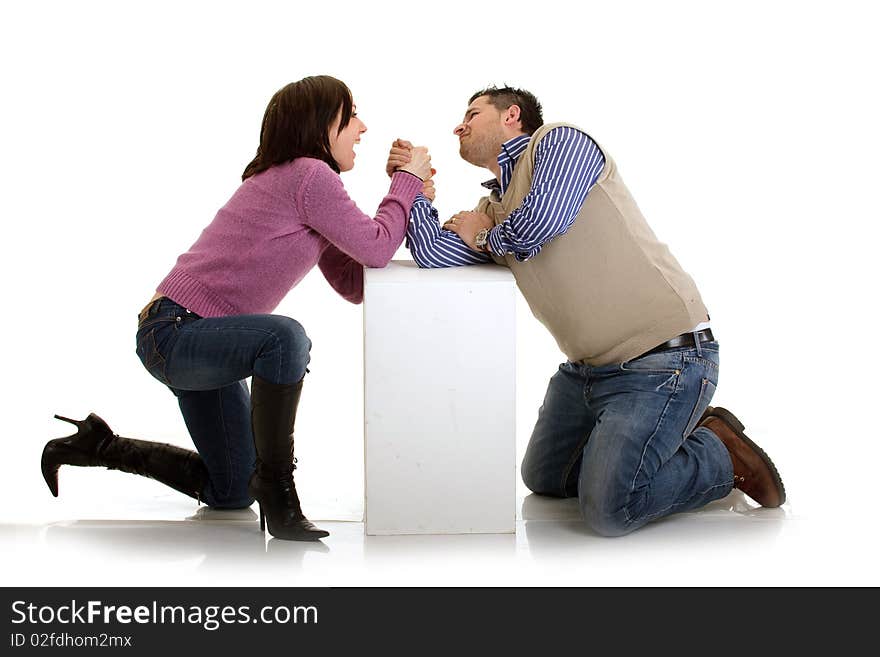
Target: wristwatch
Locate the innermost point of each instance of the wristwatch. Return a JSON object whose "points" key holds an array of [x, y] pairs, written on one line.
{"points": [[481, 239]]}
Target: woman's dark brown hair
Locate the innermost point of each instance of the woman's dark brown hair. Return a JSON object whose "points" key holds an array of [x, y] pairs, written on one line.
{"points": [[297, 123]]}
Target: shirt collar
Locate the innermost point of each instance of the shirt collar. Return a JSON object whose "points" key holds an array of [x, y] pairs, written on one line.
{"points": [[507, 159], [512, 149]]}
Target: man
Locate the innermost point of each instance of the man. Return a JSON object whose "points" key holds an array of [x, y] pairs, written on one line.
{"points": [[625, 425]]}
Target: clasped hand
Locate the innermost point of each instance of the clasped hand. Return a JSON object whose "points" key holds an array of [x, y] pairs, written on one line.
{"points": [[414, 159], [465, 224]]}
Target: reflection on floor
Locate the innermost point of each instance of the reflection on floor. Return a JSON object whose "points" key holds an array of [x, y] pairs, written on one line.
{"points": [[728, 542]]}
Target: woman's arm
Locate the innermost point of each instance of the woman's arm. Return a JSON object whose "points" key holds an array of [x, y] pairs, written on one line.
{"points": [[344, 274], [371, 241]]}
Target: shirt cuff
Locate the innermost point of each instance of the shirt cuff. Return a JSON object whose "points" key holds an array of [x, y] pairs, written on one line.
{"points": [[494, 243]]}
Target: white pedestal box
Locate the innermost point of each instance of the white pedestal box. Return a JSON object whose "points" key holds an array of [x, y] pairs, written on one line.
{"points": [[439, 414]]}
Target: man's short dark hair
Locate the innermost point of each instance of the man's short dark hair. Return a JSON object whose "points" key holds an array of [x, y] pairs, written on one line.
{"points": [[531, 114]]}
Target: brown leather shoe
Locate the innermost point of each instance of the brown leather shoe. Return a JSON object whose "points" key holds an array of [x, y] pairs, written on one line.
{"points": [[753, 471], [706, 415]]}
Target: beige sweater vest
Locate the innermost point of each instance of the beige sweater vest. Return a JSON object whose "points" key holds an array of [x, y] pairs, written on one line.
{"points": [[607, 290]]}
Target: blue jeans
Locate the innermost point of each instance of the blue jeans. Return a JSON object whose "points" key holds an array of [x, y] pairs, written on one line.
{"points": [[205, 363], [622, 439]]}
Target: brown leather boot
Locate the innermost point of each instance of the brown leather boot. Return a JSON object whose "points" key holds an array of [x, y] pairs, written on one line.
{"points": [[753, 471], [706, 415]]}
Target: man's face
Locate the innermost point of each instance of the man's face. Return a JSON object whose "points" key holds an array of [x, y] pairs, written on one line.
{"points": [[481, 134]]}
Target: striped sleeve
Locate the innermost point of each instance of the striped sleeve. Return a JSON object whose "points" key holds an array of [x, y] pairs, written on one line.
{"points": [[431, 246], [567, 165]]}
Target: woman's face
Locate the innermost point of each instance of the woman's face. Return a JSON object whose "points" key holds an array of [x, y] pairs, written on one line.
{"points": [[342, 143]]}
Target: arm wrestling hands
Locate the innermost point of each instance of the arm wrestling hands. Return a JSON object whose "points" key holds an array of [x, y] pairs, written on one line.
{"points": [[465, 224], [412, 159]]}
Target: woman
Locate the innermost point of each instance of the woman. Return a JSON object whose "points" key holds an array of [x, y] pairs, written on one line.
{"points": [[207, 328]]}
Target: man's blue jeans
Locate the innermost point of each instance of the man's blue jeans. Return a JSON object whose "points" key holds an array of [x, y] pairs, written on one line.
{"points": [[622, 439], [205, 363]]}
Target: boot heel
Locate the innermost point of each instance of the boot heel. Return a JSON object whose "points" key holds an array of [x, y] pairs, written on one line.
{"points": [[262, 518], [56, 452], [76, 423]]}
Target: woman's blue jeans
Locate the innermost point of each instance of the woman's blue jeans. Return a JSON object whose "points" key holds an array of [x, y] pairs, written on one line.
{"points": [[205, 362], [622, 439]]}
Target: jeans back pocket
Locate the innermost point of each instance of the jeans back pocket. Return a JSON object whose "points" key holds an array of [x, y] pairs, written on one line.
{"points": [[148, 349]]}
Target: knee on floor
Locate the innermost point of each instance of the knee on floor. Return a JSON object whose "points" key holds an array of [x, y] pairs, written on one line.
{"points": [[605, 523], [539, 484], [231, 494], [230, 502]]}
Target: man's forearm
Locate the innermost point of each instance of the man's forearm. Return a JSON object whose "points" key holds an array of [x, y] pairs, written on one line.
{"points": [[431, 246]]}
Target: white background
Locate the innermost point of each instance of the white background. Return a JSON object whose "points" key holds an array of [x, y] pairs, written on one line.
{"points": [[747, 133]]}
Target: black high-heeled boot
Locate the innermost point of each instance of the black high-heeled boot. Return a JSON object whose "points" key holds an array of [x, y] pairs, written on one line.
{"points": [[273, 413], [94, 444]]}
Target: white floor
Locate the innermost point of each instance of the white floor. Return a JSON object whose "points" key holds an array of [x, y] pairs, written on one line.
{"points": [[165, 540]]}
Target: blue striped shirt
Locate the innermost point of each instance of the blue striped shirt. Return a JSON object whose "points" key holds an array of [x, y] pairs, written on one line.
{"points": [[567, 165]]}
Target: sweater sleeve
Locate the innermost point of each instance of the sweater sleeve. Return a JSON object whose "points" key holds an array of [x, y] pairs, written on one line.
{"points": [[344, 274], [328, 209]]}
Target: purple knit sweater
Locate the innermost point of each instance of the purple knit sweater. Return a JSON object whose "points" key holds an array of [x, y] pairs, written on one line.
{"points": [[277, 226]]}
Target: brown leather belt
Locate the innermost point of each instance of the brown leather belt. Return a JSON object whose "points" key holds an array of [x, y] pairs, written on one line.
{"points": [[146, 310], [683, 340]]}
